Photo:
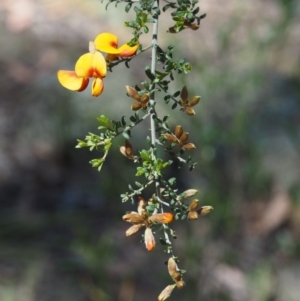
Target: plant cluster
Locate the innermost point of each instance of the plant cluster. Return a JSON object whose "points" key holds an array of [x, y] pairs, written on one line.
{"points": [[166, 204]]}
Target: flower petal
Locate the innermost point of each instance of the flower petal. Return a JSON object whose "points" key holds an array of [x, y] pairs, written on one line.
{"points": [[127, 51], [91, 65], [133, 229], [107, 42], [133, 218], [97, 87], [149, 240], [165, 294], [71, 81], [162, 218]]}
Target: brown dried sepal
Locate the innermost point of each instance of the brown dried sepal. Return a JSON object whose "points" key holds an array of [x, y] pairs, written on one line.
{"points": [[178, 131]]}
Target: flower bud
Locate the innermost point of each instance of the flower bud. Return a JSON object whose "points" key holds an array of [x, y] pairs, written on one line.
{"points": [[149, 240]]}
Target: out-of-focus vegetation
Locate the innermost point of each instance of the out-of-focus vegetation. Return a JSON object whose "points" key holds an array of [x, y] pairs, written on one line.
{"points": [[61, 234]]}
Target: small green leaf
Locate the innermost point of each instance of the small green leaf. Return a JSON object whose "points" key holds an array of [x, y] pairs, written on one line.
{"points": [[163, 242], [125, 135], [128, 7]]}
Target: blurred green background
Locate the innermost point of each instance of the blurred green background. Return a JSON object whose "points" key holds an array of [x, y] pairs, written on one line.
{"points": [[61, 233]]}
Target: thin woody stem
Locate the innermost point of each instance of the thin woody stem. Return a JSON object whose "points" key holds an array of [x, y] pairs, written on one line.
{"points": [[153, 58], [152, 96]]}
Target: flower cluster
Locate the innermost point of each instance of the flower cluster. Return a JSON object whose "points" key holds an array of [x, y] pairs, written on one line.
{"points": [[142, 219], [94, 65]]}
